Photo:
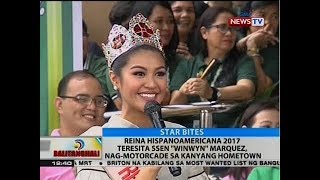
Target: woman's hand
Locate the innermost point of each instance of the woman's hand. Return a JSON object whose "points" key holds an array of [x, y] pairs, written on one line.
{"points": [[183, 50], [261, 38], [196, 86]]}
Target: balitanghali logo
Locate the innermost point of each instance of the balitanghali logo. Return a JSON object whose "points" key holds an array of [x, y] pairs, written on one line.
{"points": [[79, 144], [245, 21], [78, 152]]}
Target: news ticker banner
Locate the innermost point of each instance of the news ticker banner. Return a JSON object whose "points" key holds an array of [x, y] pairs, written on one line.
{"points": [[190, 147], [210, 147]]}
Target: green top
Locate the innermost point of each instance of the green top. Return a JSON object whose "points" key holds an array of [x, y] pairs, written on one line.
{"points": [[98, 65], [264, 173], [271, 62], [186, 69], [112, 92], [222, 75], [172, 63]]}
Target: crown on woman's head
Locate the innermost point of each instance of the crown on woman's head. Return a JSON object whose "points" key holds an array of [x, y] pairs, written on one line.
{"points": [[120, 39]]}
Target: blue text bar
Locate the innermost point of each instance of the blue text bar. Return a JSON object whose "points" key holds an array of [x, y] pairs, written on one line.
{"points": [[191, 132]]}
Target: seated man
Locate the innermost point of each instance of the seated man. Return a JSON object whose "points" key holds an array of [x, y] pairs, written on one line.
{"points": [[80, 105]]}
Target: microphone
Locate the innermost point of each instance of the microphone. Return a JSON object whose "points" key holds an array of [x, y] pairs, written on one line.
{"points": [[153, 110]]}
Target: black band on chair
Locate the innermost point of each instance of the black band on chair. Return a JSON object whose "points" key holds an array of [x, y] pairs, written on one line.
{"points": [[214, 96]]}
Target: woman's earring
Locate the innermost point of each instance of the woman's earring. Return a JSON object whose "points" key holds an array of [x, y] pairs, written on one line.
{"points": [[115, 87]]}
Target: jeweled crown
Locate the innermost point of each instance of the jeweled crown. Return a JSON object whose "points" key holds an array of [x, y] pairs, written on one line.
{"points": [[120, 39]]}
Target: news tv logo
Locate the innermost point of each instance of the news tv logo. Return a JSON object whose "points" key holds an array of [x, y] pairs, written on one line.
{"points": [[245, 22]]}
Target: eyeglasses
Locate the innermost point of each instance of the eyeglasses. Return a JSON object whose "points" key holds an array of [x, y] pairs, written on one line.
{"points": [[224, 28], [86, 100]]}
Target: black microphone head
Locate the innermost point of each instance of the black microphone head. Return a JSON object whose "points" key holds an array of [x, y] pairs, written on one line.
{"points": [[153, 110], [152, 106]]}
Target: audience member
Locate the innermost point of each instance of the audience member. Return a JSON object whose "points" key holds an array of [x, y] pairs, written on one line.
{"points": [[93, 63], [184, 14], [97, 65], [80, 105], [259, 114], [261, 44], [233, 76], [93, 47]]}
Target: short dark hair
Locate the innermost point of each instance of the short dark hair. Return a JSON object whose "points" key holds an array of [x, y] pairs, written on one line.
{"points": [[64, 82], [254, 108]]}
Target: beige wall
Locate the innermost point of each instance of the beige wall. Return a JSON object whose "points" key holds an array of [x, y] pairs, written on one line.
{"points": [[96, 14]]}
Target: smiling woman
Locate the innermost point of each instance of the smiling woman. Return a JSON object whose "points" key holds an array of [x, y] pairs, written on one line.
{"points": [[232, 78], [184, 15], [140, 77], [138, 70]]}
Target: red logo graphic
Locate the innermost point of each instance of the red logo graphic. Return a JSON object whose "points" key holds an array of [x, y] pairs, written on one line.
{"points": [[245, 22], [129, 173]]}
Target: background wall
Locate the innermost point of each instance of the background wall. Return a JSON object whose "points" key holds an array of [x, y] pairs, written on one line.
{"points": [[95, 14], [61, 47]]}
